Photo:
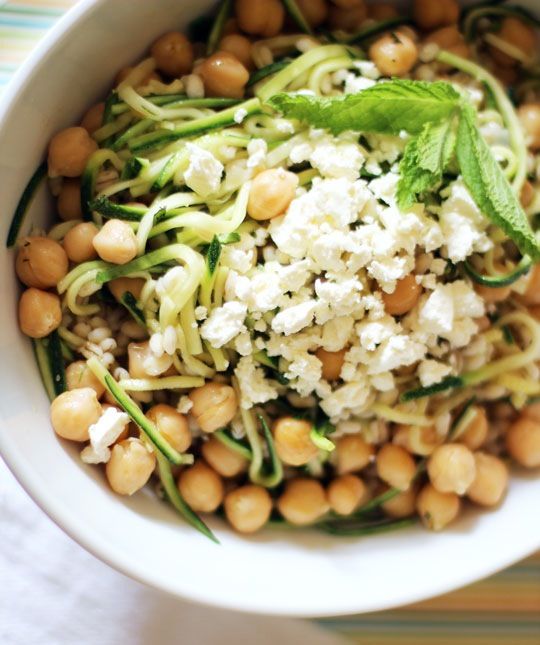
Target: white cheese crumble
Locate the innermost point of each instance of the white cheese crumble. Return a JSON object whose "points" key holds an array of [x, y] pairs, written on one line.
{"points": [[184, 404], [224, 323], [254, 386], [204, 172], [240, 115], [431, 372], [103, 434]]}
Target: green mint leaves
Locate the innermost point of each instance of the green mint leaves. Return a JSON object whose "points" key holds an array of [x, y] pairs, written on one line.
{"points": [[444, 128], [386, 108]]}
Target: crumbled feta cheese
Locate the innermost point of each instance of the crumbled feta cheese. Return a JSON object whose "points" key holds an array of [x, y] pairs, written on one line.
{"points": [[184, 404], [224, 323], [397, 351], [368, 69], [240, 115], [306, 372], [293, 319], [103, 434], [254, 386], [242, 344], [346, 400], [355, 84], [256, 150], [383, 382], [201, 313], [373, 333], [336, 333], [204, 172], [431, 372]]}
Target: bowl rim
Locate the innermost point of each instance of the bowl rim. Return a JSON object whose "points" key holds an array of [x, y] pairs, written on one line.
{"points": [[67, 521]]}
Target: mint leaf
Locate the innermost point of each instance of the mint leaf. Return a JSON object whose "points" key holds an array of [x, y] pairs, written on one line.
{"points": [[425, 159], [386, 108], [489, 187]]}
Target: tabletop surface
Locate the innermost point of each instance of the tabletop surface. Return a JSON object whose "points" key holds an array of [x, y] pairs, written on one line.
{"points": [[504, 609]]}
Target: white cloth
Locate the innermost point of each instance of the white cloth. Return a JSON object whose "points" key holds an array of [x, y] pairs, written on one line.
{"points": [[52, 592]]}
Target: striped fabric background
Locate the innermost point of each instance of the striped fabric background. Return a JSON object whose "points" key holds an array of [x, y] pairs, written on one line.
{"points": [[504, 609]]}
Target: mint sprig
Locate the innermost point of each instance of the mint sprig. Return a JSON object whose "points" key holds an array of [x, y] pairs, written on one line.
{"points": [[443, 125]]}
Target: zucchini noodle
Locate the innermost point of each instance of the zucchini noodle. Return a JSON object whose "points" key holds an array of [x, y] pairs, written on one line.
{"points": [[165, 383], [86, 280]]}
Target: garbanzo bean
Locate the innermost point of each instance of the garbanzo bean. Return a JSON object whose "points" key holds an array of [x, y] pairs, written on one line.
{"points": [[417, 440], [93, 118], [173, 54], [68, 204], [529, 116], [347, 19], [303, 502], [347, 4], [314, 11], [172, 425], [352, 453], [142, 362], [492, 294], [201, 487], [477, 431], [39, 312], [395, 466], [437, 510], [332, 362], [402, 505], [292, 441], [394, 54], [532, 412], [79, 375], [260, 17], [491, 481], [214, 405], [116, 242], [404, 297], [224, 75], [523, 442], [429, 14], [248, 508], [271, 193], [240, 47], [346, 493], [41, 262], [382, 11], [516, 33], [451, 468], [130, 466], [223, 460], [69, 151], [73, 412], [78, 242], [120, 286], [532, 293]]}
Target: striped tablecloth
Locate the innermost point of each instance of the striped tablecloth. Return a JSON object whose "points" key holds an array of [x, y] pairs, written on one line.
{"points": [[503, 609]]}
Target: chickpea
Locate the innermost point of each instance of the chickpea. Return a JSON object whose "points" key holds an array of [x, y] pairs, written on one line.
{"points": [[314, 11], [516, 33], [69, 151], [93, 118], [523, 442], [292, 441], [40, 313], [201, 487], [527, 194], [402, 505], [303, 502], [429, 14], [271, 193], [332, 362], [173, 54], [346, 493], [130, 466], [352, 454], [445, 37], [394, 54], [347, 4], [437, 509], [142, 363], [120, 286], [382, 11], [41, 262], [492, 294], [260, 17], [451, 468], [231, 27], [248, 508], [116, 242], [78, 242], [418, 440], [224, 461], [79, 375], [214, 405], [68, 204], [532, 412], [483, 323], [347, 19], [239, 46], [73, 412], [395, 466], [477, 431], [404, 297], [224, 75], [172, 425], [532, 293], [529, 115], [491, 481]]}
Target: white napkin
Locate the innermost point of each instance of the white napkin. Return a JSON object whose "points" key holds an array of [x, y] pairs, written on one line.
{"points": [[52, 592]]}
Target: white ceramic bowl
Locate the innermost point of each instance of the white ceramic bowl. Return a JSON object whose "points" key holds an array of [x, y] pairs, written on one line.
{"points": [[293, 573]]}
